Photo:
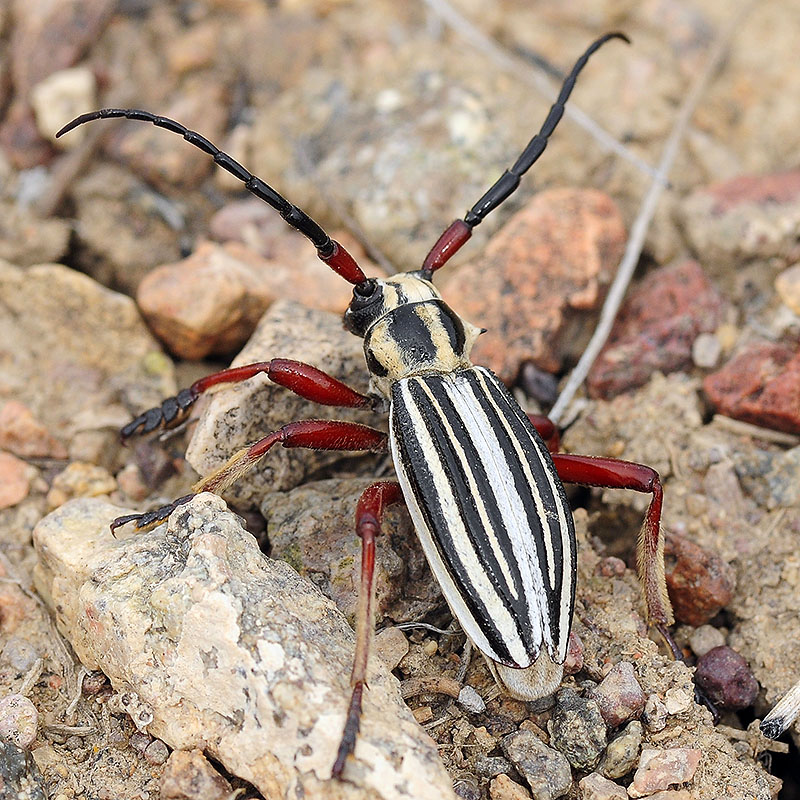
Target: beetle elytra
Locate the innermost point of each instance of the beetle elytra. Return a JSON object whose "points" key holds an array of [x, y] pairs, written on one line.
{"points": [[483, 488]]}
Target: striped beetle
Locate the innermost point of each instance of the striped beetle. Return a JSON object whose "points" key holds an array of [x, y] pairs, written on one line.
{"points": [[481, 479]]}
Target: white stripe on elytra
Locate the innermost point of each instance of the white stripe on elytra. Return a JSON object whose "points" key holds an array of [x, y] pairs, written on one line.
{"points": [[499, 614], [563, 526], [523, 547]]}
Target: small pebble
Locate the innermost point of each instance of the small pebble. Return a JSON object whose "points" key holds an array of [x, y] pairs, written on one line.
{"points": [[660, 769], [705, 638], [622, 753], [619, 695], [654, 715], [19, 720], [611, 567], [471, 701], [156, 752], [723, 674], [466, 787], [577, 729], [491, 766], [14, 480], [431, 647], [679, 698], [546, 771], [140, 741], [80, 479], [503, 788], [391, 645], [93, 683], [20, 654], [787, 285], [596, 787], [706, 350], [24, 436]]}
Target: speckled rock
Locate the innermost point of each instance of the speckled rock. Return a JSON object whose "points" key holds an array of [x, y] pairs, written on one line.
{"points": [[700, 583], [545, 769], [19, 720], [240, 414], [577, 729], [761, 385], [619, 695], [622, 752], [750, 216], [76, 353], [655, 328], [19, 775], [725, 677], [660, 769], [538, 277], [228, 651], [189, 776], [312, 528]]}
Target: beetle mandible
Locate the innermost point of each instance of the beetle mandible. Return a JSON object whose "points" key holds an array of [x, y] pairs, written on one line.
{"points": [[478, 476]]}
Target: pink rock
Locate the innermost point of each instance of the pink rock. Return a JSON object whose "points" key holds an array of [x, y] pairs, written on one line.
{"points": [[619, 695], [596, 787], [22, 434], [655, 329], [14, 480], [660, 769], [551, 261], [760, 385]]}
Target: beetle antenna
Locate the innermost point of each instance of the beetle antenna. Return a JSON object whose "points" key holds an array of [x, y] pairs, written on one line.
{"points": [[460, 230], [328, 250]]}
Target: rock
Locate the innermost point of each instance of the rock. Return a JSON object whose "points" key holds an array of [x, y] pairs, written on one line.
{"points": [[189, 776], [19, 654], [19, 776], [123, 228], [311, 527], [596, 787], [619, 695], [292, 270], [787, 285], [60, 97], [655, 713], [538, 277], [760, 385], [48, 37], [22, 434], [80, 480], [574, 660], [232, 652], [209, 303], [15, 480], [656, 328], [747, 217], [622, 752], [503, 788], [242, 413], [546, 770], [391, 645], [660, 769], [577, 729], [75, 353], [700, 583], [19, 720], [706, 350], [705, 638], [26, 238], [726, 678]]}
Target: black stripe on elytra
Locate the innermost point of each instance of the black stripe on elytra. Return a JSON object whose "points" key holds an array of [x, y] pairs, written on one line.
{"points": [[540, 464], [415, 464], [474, 464]]}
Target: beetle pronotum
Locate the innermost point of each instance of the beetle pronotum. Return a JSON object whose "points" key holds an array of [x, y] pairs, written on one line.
{"points": [[478, 476]]}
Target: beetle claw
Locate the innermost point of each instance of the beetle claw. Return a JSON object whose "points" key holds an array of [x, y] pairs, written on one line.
{"points": [[149, 519]]}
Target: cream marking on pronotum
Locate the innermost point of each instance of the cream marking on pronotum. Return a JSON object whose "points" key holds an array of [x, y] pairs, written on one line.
{"points": [[482, 487]]}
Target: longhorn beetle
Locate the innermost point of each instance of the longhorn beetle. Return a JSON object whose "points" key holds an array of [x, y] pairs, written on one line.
{"points": [[481, 480]]}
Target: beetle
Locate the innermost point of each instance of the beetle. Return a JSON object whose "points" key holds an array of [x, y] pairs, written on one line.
{"points": [[482, 480]]}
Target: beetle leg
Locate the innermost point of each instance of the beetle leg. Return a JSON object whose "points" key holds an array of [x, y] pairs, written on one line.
{"points": [[611, 473], [369, 513], [547, 429], [315, 434], [302, 379]]}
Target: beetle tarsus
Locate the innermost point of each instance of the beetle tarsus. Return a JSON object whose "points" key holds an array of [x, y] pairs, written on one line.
{"points": [[149, 519], [171, 413]]}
